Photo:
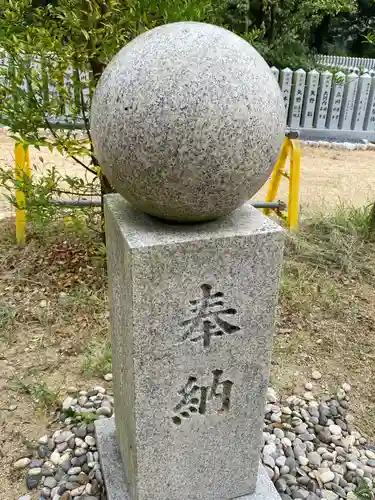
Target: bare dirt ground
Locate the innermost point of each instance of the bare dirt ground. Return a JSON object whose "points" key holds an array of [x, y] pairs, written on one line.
{"points": [[54, 317], [53, 335], [328, 177]]}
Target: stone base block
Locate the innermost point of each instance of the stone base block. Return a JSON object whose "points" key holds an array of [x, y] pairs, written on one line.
{"points": [[114, 476]]}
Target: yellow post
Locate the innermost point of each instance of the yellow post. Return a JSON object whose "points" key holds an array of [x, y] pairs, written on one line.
{"points": [[294, 181], [22, 172], [277, 174]]}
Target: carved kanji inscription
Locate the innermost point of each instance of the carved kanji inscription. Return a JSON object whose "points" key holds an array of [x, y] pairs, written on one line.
{"points": [[195, 398], [207, 319]]}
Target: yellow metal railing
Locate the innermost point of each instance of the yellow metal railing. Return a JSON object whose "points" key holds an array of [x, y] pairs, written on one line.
{"points": [[289, 212], [22, 172], [291, 147]]}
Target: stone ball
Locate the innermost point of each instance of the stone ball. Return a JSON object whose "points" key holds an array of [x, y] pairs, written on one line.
{"points": [[187, 122]]}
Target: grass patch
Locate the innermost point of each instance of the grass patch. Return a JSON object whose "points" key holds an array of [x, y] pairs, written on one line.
{"points": [[8, 315], [339, 241], [327, 308], [39, 392], [97, 359]]}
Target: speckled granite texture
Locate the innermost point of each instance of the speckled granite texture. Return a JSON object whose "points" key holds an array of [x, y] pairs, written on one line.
{"points": [[192, 318], [113, 468], [187, 121]]}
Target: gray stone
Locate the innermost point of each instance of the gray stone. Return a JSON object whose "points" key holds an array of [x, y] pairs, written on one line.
{"points": [[159, 349], [81, 431], [325, 436], [104, 410], [22, 463], [284, 470], [50, 482], [314, 458], [268, 460], [187, 121], [65, 466], [46, 492], [114, 470], [326, 475], [329, 495]]}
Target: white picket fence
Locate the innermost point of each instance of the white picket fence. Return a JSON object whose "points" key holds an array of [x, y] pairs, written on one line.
{"points": [[324, 105], [344, 62], [329, 105]]}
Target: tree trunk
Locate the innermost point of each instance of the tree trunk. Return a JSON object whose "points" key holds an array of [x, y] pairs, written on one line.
{"points": [[105, 188]]}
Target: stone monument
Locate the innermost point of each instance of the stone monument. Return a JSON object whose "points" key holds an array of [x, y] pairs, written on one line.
{"points": [[187, 122]]}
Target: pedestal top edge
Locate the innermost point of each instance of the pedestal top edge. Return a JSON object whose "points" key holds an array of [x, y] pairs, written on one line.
{"points": [[141, 230]]}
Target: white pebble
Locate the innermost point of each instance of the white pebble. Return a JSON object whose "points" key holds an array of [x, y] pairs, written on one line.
{"points": [[43, 439], [316, 375], [280, 461], [108, 377], [329, 495], [64, 458], [271, 395], [104, 410], [284, 470], [286, 442], [308, 396], [350, 418], [55, 457], [80, 443], [73, 471], [351, 466], [67, 403], [79, 452], [90, 440], [269, 449], [21, 463], [268, 460], [279, 433], [370, 454], [335, 429], [286, 410], [35, 471], [100, 389], [346, 387], [72, 390], [303, 460], [276, 417], [78, 491], [341, 394], [326, 475], [308, 386]]}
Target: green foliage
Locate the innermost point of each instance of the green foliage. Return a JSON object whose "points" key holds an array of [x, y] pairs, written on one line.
{"points": [[56, 54], [76, 416], [350, 33], [39, 392], [363, 491], [343, 241], [283, 28], [98, 360], [58, 49], [291, 54], [46, 186]]}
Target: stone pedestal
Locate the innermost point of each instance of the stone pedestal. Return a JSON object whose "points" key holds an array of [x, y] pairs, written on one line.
{"points": [[192, 318], [114, 475]]}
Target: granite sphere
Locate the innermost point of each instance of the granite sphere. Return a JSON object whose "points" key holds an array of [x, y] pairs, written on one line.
{"points": [[187, 121]]}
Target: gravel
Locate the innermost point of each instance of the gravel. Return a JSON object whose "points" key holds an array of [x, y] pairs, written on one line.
{"points": [[67, 463], [316, 450], [311, 449]]}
